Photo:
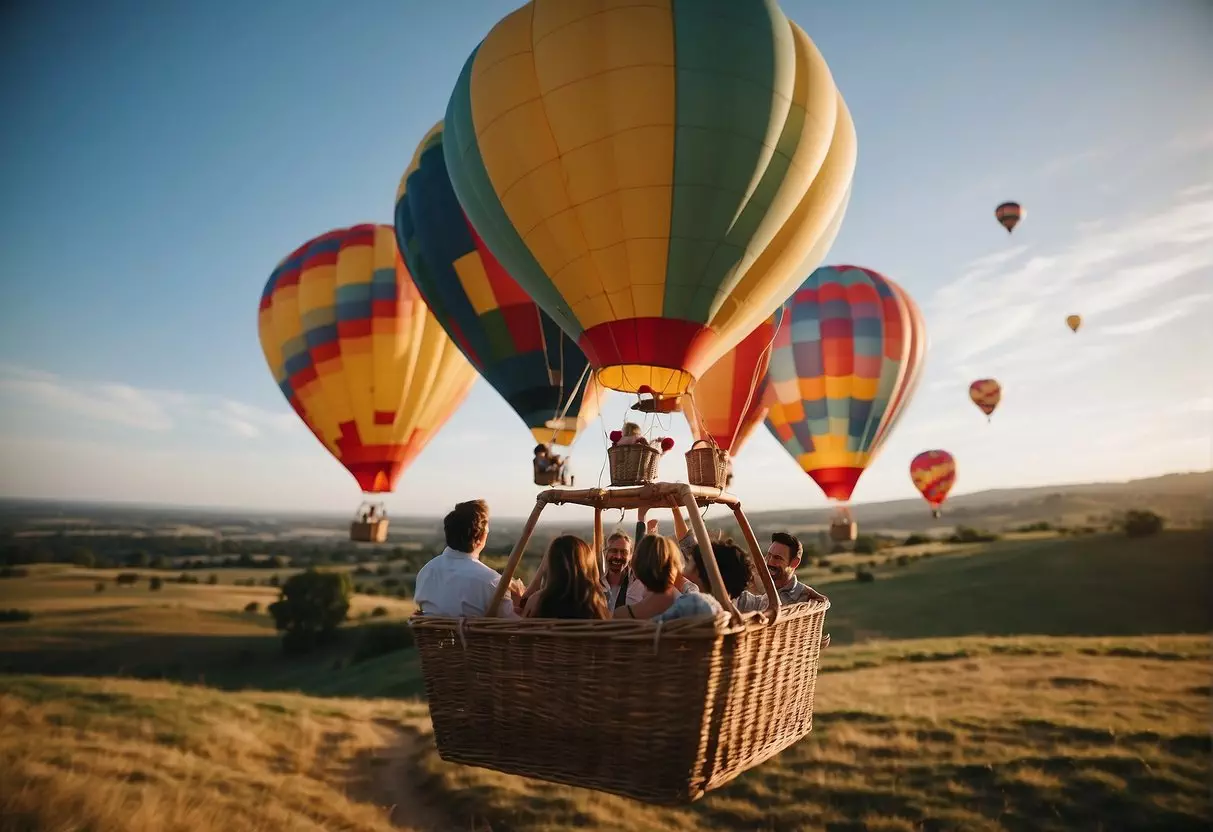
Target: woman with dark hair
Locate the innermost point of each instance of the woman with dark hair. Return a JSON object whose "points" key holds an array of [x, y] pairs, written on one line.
{"points": [[572, 585]]}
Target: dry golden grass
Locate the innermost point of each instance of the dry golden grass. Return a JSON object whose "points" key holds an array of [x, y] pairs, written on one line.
{"points": [[122, 756], [966, 734]]}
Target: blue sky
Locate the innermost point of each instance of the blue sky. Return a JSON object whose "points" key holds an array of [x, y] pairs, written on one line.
{"points": [[159, 159]]}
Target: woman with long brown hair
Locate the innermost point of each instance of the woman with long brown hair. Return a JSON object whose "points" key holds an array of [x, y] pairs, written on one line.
{"points": [[572, 585]]}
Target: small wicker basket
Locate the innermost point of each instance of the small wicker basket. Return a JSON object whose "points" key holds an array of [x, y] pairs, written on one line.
{"points": [[633, 464], [551, 477], [707, 464]]}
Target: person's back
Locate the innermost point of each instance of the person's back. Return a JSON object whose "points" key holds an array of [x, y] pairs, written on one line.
{"points": [[572, 588], [456, 583]]}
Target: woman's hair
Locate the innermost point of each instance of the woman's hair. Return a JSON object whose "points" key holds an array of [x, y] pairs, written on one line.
{"points": [[572, 588], [735, 567], [656, 562], [631, 429]]}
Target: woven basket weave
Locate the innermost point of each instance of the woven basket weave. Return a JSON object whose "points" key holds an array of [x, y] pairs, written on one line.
{"points": [[659, 713], [633, 464], [707, 464]]}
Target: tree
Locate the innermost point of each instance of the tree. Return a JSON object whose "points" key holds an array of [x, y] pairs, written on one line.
{"points": [[310, 607], [83, 556], [865, 545], [1141, 523], [155, 583], [212, 579]]}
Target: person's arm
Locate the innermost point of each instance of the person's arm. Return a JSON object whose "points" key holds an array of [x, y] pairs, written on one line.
{"points": [[531, 608], [680, 525], [646, 608]]}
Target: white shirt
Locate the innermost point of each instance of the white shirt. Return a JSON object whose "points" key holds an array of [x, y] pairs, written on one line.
{"points": [[455, 584]]}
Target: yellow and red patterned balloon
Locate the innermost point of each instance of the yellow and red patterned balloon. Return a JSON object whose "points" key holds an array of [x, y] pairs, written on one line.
{"points": [[934, 474], [986, 393], [357, 353]]}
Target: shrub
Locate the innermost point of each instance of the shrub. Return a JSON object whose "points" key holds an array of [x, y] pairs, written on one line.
{"points": [[838, 570], [15, 616], [126, 578], [390, 583], [1039, 526], [903, 560], [865, 545], [379, 612], [99, 587], [380, 639], [383, 570], [310, 608], [155, 583], [824, 563], [965, 534], [864, 576], [1141, 523], [212, 579], [917, 540]]}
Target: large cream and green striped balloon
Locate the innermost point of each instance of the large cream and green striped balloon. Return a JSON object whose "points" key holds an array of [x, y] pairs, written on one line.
{"points": [[658, 176]]}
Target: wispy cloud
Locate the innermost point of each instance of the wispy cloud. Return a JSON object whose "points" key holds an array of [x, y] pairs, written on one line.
{"points": [[1008, 299], [133, 407], [1174, 311], [1191, 141]]}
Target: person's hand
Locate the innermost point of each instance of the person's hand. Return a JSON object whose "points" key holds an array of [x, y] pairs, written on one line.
{"points": [[814, 595], [517, 588], [652, 527]]}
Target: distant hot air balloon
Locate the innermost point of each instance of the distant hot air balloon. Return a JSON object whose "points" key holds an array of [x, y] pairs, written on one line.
{"points": [[520, 351], [1074, 322], [986, 393], [843, 371], [657, 176], [358, 355], [934, 474], [730, 399], [1009, 214]]}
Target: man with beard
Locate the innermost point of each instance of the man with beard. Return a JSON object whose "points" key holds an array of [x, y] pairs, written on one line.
{"points": [[783, 558], [622, 588]]}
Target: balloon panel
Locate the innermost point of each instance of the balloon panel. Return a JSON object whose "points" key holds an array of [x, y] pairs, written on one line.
{"points": [[842, 372], [657, 176], [518, 349], [934, 474], [1008, 215], [729, 400], [358, 355]]}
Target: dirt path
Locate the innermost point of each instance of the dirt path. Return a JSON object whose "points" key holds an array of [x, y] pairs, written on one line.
{"points": [[392, 782]]}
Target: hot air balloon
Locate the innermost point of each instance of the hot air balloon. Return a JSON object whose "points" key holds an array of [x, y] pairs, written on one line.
{"points": [[730, 399], [1008, 215], [520, 351], [1074, 322], [933, 473], [656, 176], [842, 372], [986, 394], [358, 355]]}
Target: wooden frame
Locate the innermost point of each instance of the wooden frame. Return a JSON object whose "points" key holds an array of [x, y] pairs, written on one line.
{"points": [[673, 495]]}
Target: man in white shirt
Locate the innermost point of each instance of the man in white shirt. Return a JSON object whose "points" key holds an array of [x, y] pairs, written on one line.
{"points": [[456, 583]]}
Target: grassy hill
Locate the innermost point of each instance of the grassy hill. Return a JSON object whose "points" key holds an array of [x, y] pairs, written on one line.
{"points": [[1040, 684]]}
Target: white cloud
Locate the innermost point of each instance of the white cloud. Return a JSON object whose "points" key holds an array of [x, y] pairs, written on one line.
{"points": [[133, 407], [1174, 311], [1009, 308], [1193, 140]]}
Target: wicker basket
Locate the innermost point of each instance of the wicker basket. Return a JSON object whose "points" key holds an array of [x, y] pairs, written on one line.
{"points": [[707, 464], [551, 477], [368, 531], [633, 464], [658, 715]]}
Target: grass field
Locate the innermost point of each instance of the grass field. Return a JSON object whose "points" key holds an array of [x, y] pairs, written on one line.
{"points": [[1029, 684]]}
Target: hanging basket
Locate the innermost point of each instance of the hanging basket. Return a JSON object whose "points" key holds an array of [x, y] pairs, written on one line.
{"points": [[707, 464], [369, 531], [633, 464], [551, 477]]}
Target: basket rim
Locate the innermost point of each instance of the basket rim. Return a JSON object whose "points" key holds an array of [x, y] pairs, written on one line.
{"points": [[621, 629]]}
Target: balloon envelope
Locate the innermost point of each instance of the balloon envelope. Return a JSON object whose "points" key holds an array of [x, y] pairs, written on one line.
{"points": [[658, 176], [730, 399], [358, 355], [934, 474], [986, 393], [1074, 322], [843, 371], [519, 349], [1008, 215]]}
